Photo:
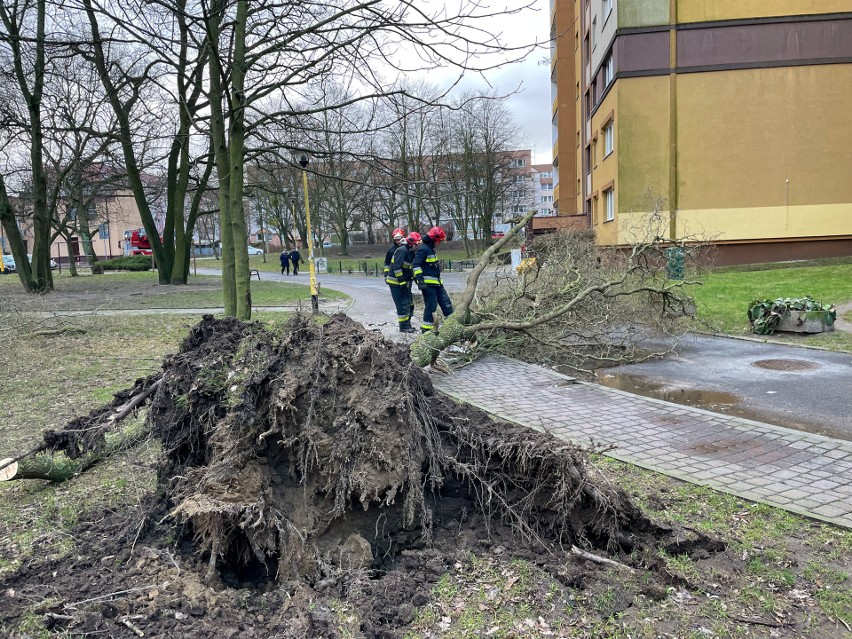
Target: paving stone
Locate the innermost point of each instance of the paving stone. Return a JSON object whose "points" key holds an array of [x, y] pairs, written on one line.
{"points": [[800, 471]]}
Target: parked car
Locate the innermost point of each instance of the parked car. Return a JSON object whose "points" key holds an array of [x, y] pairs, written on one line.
{"points": [[9, 264], [53, 263], [254, 251]]}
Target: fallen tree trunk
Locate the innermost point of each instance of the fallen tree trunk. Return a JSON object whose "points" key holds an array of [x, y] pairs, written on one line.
{"points": [[54, 466], [59, 467]]}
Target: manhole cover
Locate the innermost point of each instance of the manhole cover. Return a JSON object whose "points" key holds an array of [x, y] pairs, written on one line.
{"points": [[788, 365]]}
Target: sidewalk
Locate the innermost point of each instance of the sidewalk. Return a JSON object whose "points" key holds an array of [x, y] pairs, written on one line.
{"points": [[800, 472]]}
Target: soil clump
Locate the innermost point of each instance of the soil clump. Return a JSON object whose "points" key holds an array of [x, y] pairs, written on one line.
{"points": [[312, 472]]}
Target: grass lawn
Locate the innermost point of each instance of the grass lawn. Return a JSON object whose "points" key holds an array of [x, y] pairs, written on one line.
{"points": [[130, 291], [723, 300]]}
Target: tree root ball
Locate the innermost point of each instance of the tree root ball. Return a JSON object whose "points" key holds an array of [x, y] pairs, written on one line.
{"points": [[322, 448]]}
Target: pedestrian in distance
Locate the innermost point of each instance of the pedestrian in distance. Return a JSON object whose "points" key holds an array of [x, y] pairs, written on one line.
{"points": [[427, 275], [296, 258], [399, 278], [285, 262], [397, 237]]}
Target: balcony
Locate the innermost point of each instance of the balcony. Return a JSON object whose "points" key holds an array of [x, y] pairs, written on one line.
{"points": [[556, 149], [554, 105], [555, 195]]}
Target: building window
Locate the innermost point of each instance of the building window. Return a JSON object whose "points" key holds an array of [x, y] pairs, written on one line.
{"points": [[518, 209], [592, 33], [518, 194], [594, 153], [517, 163], [547, 199], [609, 204], [608, 138], [607, 8], [609, 71]]}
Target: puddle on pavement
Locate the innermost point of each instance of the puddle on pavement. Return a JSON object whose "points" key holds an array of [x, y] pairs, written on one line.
{"points": [[715, 401], [710, 400]]}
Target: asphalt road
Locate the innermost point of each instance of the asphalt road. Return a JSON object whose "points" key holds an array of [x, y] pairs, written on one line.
{"points": [[801, 388]]}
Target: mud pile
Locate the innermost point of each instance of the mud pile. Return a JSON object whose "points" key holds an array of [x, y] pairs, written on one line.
{"points": [[323, 449]]}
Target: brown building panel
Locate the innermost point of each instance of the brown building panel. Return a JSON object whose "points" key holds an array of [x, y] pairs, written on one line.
{"points": [[755, 44], [642, 52], [773, 251]]}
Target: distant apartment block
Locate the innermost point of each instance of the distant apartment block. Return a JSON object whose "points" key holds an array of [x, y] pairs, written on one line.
{"points": [[730, 116]]}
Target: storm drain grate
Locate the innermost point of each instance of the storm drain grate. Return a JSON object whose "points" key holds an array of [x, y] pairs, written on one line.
{"points": [[787, 365]]}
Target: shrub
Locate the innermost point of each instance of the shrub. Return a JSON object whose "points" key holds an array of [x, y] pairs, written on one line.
{"points": [[127, 263], [765, 315]]}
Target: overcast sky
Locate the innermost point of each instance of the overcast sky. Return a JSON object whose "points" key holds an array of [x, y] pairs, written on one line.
{"points": [[528, 81], [531, 103]]}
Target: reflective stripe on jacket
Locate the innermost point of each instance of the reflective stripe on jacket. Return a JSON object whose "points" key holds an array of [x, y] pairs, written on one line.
{"points": [[426, 263]]}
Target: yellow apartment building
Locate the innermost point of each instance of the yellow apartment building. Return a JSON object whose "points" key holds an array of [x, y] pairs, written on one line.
{"points": [[731, 117]]}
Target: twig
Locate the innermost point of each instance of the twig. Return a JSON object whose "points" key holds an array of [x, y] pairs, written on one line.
{"points": [[599, 560], [114, 594], [131, 625], [13, 460], [756, 622]]}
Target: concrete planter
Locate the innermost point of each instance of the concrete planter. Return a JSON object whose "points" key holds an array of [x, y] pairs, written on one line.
{"points": [[805, 322]]}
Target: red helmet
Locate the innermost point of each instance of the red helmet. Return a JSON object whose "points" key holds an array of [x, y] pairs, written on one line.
{"points": [[414, 238], [437, 234], [398, 234]]}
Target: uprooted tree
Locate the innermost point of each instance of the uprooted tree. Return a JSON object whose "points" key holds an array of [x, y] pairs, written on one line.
{"points": [[572, 296], [317, 450]]}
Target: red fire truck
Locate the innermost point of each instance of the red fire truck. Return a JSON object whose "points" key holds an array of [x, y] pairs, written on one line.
{"points": [[136, 242]]}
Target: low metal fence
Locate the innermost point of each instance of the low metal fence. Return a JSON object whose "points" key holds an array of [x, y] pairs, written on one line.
{"points": [[377, 270]]}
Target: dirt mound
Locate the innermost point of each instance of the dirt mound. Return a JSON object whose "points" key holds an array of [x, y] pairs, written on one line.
{"points": [[324, 449], [317, 464]]}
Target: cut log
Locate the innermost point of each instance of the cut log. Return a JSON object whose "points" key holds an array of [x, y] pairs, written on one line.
{"points": [[59, 467]]}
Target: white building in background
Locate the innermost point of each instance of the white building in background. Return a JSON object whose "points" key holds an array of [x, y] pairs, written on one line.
{"points": [[542, 186]]}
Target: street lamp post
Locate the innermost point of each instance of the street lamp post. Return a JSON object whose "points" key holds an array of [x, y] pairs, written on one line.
{"points": [[303, 162]]}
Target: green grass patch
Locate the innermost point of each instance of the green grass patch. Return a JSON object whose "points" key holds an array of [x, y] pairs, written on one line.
{"points": [[140, 291], [723, 300]]}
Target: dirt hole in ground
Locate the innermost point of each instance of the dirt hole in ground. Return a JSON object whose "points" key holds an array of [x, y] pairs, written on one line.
{"points": [[317, 464]]}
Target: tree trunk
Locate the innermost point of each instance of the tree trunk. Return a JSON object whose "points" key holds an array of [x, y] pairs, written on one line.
{"points": [[59, 467], [220, 148], [236, 147]]}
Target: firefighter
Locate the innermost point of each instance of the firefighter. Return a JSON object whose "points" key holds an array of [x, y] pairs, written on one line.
{"points": [[397, 236], [427, 274], [413, 241], [399, 279]]}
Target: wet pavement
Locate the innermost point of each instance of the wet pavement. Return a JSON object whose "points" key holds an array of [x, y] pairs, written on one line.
{"points": [[799, 471], [796, 387]]}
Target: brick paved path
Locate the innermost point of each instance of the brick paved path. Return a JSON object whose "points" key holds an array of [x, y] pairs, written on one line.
{"points": [[800, 472]]}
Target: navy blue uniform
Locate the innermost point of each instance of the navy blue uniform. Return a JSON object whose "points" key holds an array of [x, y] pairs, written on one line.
{"points": [[398, 278], [427, 274]]}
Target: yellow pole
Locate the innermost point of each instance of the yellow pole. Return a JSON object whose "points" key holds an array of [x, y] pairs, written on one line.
{"points": [[314, 292]]}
